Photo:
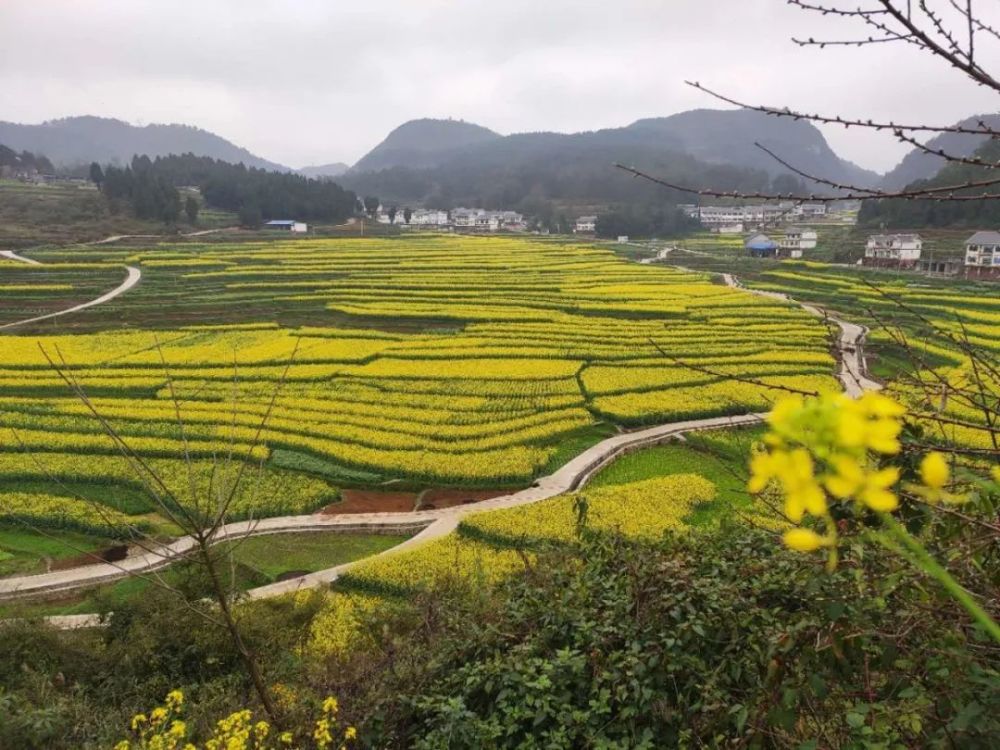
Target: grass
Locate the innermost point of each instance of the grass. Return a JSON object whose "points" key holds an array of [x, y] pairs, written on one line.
{"points": [[254, 562], [576, 442], [23, 551], [60, 213], [720, 457]]}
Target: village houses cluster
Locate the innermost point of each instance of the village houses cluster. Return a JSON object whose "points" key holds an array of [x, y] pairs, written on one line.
{"points": [[464, 219], [981, 259]]}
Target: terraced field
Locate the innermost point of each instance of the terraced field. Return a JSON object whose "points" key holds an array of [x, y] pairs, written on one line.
{"points": [[922, 331], [432, 361]]}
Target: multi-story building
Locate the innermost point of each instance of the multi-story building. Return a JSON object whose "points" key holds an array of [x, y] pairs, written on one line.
{"points": [[585, 225], [896, 250], [796, 240], [982, 255], [752, 215]]}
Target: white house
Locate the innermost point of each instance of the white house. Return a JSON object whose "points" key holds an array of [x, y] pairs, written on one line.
{"points": [[982, 255], [893, 249], [753, 215], [287, 225], [796, 240], [486, 221], [810, 210], [429, 217], [736, 228], [585, 225]]}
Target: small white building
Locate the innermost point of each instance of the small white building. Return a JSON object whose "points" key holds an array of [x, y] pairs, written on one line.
{"points": [[622, 238], [893, 250], [810, 210], [982, 255], [585, 225], [287, 225], [429, 217], [486, 221], [736, 228], [795, 240]]}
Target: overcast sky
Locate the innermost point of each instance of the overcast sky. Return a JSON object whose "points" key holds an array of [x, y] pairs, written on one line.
{"points": [[314, 81]]}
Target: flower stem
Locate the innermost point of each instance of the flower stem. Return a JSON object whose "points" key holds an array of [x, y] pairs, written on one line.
{"points": [[919, 554]]}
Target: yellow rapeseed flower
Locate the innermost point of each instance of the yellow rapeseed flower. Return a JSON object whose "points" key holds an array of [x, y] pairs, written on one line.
{"points": [[934, 471], [804, 540]]}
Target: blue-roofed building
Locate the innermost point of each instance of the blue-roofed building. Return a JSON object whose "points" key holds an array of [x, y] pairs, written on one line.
{"points": [[761, 246], [286, 225]]}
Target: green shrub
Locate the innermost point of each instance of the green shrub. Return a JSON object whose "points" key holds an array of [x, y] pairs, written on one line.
{"points": [[717, 638]]}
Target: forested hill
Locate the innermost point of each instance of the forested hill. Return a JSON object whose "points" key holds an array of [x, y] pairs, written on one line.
{"points": [[24, 161], [528, 171], [446, 163], [149, 185], [923, 213], [73, 141], [920, 165], [424, 143]]}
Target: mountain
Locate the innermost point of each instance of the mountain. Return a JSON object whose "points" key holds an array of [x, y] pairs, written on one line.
{"points": [[424, 143], [972, 214], [72, 141], [919, 165], [324, 170], [442, 162], [728, 137]]}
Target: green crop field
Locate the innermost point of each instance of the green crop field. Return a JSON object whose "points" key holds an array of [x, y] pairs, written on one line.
{"points": [[433, 361]]}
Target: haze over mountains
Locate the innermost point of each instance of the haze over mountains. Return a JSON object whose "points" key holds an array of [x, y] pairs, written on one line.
{"points": [[427, 159], [72, 141], [919, 165]]}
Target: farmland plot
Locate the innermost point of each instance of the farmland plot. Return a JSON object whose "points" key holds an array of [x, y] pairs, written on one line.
{"points": [[433, 361]]}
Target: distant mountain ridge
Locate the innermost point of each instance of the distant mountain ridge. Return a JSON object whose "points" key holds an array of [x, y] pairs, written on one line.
{"points": [[72, 141], [424, 143], [321, 171], [441, 162], [919, 165], [721, 137]]}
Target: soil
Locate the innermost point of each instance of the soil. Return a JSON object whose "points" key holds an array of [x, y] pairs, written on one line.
{"points": [[109, 554], [378, 501], [290, 574]]}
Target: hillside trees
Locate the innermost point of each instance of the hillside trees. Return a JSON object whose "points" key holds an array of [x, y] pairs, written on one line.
{"points": [[149, 188], [639, 221], [25, 160], [191, 208], [148, 194], [982, 210]]}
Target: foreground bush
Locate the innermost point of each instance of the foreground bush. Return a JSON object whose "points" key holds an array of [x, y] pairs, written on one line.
{"points": [[705, 640]]}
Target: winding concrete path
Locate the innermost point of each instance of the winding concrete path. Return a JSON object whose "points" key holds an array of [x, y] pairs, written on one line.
{"points": [[134, 274], [850, 345], [427, 525], [11, 255]]}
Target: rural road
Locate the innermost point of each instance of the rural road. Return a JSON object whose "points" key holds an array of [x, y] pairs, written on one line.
{"points": [[134, 274], [431, 524], [850, 345], [11, 255]]}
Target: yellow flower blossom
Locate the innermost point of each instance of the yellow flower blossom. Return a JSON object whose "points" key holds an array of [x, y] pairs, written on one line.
{"points": [[934, 471], [804, 540]]}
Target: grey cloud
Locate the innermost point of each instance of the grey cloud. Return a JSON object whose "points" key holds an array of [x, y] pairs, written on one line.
{"points": [[301, 81]]}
